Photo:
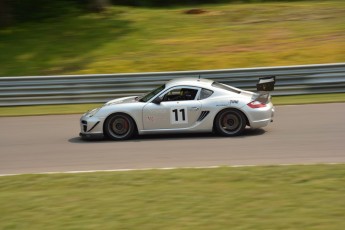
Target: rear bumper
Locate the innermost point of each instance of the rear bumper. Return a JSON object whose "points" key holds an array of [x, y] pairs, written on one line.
{"points": [[260, 124], [261, 117]]}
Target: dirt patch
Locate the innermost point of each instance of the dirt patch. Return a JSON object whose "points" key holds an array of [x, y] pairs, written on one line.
{"points": [[195, 11]]}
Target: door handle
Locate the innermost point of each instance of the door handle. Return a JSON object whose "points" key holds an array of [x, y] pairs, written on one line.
{"points": [[195, 108]]}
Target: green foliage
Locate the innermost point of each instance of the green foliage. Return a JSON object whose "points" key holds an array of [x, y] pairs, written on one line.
{"points": [[139, 39], [36, 10], [160, 3], [163, 3]]}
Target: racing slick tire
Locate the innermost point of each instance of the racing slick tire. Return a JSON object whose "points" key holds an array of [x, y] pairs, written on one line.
{"points": [[230, 122], [119, 126]]}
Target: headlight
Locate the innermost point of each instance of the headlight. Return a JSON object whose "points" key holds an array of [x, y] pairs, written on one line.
{"points": [[93, 112], [113, 103]]}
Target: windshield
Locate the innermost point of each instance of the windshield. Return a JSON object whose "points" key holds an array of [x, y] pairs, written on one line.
{"points": [[151, 94]]}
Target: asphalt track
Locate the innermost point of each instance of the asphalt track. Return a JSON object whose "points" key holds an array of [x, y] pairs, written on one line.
{"points": [[300, 134]]}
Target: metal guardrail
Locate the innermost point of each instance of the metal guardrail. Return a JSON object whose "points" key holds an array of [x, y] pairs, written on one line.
{"points": [[69, 89]]}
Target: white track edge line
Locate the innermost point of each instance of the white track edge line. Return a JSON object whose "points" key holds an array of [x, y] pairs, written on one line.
{"points": [[165, 168]]}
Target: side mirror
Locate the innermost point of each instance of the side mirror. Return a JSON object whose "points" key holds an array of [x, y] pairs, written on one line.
{"points": [[157, 100]]}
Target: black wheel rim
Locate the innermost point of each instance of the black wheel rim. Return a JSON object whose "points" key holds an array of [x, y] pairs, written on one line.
{"points": [[230, 123], [119, 126]]}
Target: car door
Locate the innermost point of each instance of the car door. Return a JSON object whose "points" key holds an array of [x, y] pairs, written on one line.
{"points": [[178, 109]]}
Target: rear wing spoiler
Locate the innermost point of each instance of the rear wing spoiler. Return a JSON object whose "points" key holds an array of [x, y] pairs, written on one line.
{"points": [[266, 84]]}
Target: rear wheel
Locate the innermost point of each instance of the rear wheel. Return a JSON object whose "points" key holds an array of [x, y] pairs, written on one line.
{"points": [[119, 127], [230, 122]]}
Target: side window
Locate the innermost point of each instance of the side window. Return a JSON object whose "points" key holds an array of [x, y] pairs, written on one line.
{"points": [[205, 93], [180, 94], [172, 95]]}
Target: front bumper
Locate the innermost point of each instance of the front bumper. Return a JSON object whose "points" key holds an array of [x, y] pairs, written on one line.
{"points": [[91, 135], [91, 126]]}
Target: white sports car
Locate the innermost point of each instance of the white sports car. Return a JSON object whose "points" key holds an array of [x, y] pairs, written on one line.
{"points": [[180, 106]]}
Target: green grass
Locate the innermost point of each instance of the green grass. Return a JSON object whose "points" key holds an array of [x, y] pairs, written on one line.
{"points": [[81, 108], [260, 198], [130, 39], [308, 99], [46, 109]]}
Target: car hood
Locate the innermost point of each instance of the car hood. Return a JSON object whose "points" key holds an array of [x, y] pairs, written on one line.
{"points": [[122, 100]]}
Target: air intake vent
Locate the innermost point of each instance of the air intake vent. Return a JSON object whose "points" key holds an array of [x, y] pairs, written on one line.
{"points": [[84, 125], [203, 115]]}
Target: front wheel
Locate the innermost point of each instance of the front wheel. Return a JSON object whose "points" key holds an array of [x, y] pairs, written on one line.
{"points": [[119, 127], [230, 122]]}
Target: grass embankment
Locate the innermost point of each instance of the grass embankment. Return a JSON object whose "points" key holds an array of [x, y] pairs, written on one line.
{"points": [[81, 108], [283, 197], [133, 39]]}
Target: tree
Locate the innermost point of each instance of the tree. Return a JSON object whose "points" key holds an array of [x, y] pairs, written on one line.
{"points": [[5, 13], [98, 5]]}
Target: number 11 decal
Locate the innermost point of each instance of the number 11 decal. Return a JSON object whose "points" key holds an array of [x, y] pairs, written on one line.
{"points": [[178, 115]]}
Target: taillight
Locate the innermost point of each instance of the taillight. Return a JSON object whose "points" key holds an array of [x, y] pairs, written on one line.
{"points": [[256, 104]]}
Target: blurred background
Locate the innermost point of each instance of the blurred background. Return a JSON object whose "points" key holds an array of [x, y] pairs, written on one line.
{"points": [[119, 36]]}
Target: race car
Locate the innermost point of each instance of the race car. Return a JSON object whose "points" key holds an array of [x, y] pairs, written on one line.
{"points": [[183, 105]]}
